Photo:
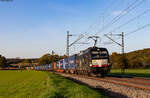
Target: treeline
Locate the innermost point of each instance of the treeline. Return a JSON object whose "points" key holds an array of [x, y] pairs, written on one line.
{"points": [[45, 59], [14, 62], [48, 58], [135, 59], [3, 61]]}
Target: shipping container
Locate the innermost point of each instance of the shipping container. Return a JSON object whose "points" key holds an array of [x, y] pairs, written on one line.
{"points": [[26, 68], [54, 66], [72, 61], [61, 62], [31, 68], [35, 67], [57, 65], [49, 66], [66, 65]]}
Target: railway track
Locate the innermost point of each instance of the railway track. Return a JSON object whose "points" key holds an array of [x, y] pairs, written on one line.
{"points": [[129, 83], [132, 80], [139, 83]]}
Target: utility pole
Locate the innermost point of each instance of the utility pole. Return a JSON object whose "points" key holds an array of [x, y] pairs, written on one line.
{"points": [[67, 49], [122, 45], [123, 56], [75, 42]]}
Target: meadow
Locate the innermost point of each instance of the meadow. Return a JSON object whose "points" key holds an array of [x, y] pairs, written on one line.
{"points": [[132, 72], [38, 84]]}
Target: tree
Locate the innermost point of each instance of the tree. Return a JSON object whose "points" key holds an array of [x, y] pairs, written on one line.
{"points": [[45, 59], [3, 61], [135, 59], [115, 60], [26, 61], [48, 58]]}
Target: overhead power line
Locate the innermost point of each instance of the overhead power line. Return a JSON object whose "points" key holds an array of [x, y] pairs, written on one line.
{"points": [[138, 29], [129, 21], [130, 7], [80, 37], [123, 13], [86, 34], [121, 2]]}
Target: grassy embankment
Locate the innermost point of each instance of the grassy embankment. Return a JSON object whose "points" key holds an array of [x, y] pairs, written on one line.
{"points": [[36, 84], [132, 72]]}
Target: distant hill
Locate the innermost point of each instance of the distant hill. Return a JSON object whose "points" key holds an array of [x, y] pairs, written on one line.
{"points": [[135, 59]]}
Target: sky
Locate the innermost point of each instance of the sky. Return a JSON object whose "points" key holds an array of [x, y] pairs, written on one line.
{"points": [[32, 28]]}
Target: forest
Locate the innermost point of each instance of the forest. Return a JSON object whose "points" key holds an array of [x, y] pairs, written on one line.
{"points": [[135, 59]]}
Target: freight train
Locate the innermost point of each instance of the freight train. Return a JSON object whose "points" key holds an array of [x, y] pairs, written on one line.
{"points": [[93, 60]]}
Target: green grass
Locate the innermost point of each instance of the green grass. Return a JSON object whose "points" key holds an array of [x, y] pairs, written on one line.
{"points": [[37, 84], [132, 72]]}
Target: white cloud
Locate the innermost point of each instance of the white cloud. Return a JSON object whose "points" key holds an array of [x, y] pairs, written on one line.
{"points": [[116, 13], [62, 8]]}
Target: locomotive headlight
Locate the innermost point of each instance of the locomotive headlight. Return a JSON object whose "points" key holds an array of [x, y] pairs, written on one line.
{"points": [[94, 61], [90, 64]]}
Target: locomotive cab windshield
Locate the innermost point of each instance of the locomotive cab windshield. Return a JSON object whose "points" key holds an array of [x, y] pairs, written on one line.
{"points": [[99, 54]]}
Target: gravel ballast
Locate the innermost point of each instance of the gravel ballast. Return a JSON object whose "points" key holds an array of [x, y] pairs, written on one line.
{"points": [[113, 90]]}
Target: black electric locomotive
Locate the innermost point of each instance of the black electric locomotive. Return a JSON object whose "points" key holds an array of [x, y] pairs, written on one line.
{"points": [[93, 60]]}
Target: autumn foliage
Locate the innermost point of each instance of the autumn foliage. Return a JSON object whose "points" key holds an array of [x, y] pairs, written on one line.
{"points": [[135, 59]]}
